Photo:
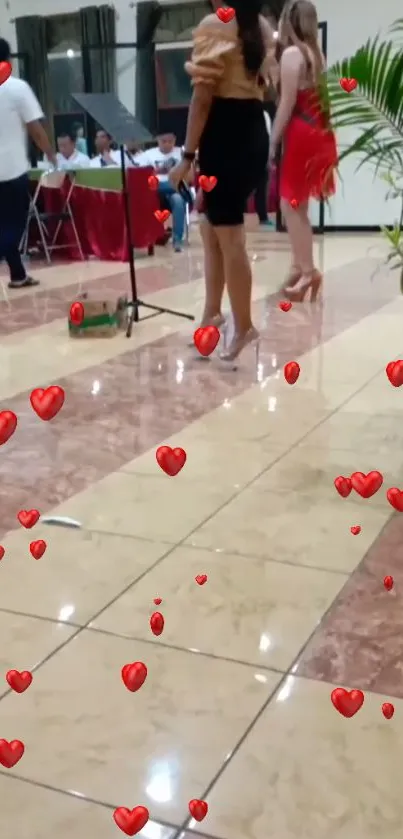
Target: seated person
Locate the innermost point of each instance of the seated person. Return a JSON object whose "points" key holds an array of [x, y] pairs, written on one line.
{"points": [[68, 156], [105, 155], [163, 158]]}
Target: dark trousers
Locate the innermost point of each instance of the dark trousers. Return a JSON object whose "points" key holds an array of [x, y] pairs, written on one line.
{"points": [[14, 208], [261, 197]]}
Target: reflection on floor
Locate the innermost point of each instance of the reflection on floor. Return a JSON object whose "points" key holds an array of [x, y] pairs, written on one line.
{"points": [[236, 707]]}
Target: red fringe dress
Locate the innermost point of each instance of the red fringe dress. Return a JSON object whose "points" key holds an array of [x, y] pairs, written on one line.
{"points": [[310, 152]]}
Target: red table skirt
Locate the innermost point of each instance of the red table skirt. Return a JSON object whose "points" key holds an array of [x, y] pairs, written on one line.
{"points": [[99, 218]]}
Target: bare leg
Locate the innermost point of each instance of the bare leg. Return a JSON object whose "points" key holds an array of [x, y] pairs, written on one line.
{"points": [[300, 233], [301, 236], [213, 273], [238, 275]]}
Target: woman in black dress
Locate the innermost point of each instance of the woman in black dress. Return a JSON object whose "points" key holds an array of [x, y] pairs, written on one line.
{"points": [[232, 62]]}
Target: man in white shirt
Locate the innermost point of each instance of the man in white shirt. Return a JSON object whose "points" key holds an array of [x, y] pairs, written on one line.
{"points": [[68, 156], [105, 155], [163, 158], [20, 113]]}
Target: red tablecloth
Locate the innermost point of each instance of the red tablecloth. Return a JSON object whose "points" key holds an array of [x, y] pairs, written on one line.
{"points": [[99, 218]]}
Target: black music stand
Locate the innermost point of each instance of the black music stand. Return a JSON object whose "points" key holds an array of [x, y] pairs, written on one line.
{"points": [[109, 113]]}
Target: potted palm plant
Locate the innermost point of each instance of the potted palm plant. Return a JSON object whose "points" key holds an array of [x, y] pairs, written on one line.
{"points": [[375, 109]]}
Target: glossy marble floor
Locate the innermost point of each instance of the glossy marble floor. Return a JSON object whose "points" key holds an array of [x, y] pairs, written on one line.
{"points": [[236, 706]]}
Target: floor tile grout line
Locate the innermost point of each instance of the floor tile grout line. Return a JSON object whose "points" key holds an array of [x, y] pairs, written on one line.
{"points": [[265, 705], [182, 542], [136, 639], [78, 797], [291, 671], [82, 628], [159, 644], [89, 800]]}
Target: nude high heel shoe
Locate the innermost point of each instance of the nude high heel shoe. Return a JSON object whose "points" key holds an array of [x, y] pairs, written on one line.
{"points": [[311, 283], [291, 280], [238, 343], [217, 320]]}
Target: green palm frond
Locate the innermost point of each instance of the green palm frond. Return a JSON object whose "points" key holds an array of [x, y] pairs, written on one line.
{"points": [[375, 106]]}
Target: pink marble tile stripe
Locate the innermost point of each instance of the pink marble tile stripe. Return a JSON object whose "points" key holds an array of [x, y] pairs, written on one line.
{"points": [[138, 402], [25, 311], [360, 642]]}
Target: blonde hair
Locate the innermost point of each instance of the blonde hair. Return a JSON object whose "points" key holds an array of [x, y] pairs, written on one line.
{"points": [[300, 27]]}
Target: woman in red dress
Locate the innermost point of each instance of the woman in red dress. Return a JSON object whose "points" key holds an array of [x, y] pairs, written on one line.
{"points": [[309, 146]]}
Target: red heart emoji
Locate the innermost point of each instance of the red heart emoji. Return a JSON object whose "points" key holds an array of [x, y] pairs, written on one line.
{"points": [[153, 182], [2, 552], [285, 305], [347, 702], [395, 498], [356, 529], [348, 84], [207, 182], [76, 314], [28, 518], [201, 579], [366, 485], [47, 402], [294, 203], [388, 583], [134, 675], [170, 460], [394, 372], [8, 424], [11, 752], [19, 681], [343, 486], [38, 548], [157, 623], [225, 15], [198, 809], [162, 215], [206, 339], [388, 710], [291, 372], [157, 600], [131, 821], [5, 71]]}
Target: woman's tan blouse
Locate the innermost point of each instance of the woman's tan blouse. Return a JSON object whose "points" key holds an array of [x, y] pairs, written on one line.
{"points": [[217, 60]]}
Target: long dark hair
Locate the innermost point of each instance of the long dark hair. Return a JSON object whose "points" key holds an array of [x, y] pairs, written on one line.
{"points": [[253, 47]]}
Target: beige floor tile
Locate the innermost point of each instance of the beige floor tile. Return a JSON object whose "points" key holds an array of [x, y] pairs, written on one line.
{"points": [[249, 609], [377, 434], [77, 576], [31, 812], [158, 747], [304, 772], [379, 393], [26, 642], [256, 417], [211, 461], [293, 527], [313, 470], [158, 507]]}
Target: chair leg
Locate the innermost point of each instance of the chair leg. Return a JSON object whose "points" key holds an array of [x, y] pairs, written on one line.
{"points": [[76, 236]]}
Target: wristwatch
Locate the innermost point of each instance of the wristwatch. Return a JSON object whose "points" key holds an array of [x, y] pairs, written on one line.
{"points": [[190, 156]]}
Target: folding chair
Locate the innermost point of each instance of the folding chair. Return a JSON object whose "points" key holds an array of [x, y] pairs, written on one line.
{"points": [[51, 180]]}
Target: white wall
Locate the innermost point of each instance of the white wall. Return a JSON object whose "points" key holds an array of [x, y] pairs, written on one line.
{"points": [[125, 33], [360, 199]]}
